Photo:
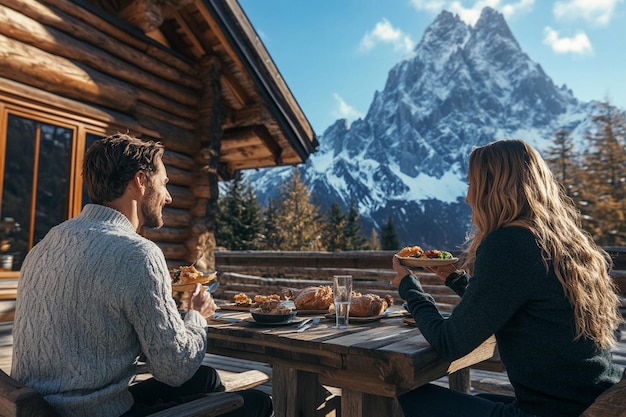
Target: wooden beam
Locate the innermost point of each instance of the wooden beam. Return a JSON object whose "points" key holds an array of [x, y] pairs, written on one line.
{"points": [[229, 144], [228, 79], [197, 48], [243, 154], [271, 143], [82, 23], [147, 15], [261, 162], [31, 66], [254, 114]]}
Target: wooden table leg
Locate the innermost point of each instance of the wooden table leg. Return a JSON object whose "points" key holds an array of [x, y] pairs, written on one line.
{"points": [[460, 380], [299, 393], [358, 404]]}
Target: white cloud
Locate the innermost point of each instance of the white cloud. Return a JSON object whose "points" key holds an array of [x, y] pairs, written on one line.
{"points": [[471, 14], [384, 32], [344, 110], [578, 44], [429, 5], [598, 12], [512, 9]]}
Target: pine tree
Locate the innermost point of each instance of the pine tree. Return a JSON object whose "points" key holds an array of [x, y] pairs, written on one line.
{"points": [[603, 184], [272, 238], [388, 236], [564, 163], [239, 222], [374, 242], [251, 236], [334, 238], [298, 224], [352, 230]]}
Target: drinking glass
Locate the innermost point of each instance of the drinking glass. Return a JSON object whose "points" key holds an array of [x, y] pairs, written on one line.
{"points": [[342, 294]]}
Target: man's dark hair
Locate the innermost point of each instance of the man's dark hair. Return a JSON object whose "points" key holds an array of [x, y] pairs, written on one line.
{"points": [[111, 163]]}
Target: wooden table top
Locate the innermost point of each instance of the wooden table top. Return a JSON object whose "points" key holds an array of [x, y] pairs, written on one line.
{"points": [[384, 357]]}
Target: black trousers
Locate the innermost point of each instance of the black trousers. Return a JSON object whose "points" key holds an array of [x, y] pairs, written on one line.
{"points": [[152, 396]]}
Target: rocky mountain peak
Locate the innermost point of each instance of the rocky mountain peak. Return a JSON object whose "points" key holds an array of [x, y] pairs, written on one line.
{"points": [[407, 159]]}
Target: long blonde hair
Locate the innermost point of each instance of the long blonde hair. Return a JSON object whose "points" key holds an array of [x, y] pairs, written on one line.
{"points": [[511, 185]]}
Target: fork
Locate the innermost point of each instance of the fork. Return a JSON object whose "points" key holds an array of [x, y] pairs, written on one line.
{"points": [[312, 323]]}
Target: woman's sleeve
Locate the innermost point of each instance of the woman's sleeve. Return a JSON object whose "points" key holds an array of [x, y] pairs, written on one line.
{"points": [[494, 293], [457, 282]]}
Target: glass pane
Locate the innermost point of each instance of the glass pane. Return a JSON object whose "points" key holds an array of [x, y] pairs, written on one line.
{"points": [[18, 179], [52, 182], [53, 190]]}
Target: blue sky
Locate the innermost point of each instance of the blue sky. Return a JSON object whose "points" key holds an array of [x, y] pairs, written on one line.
{"points": [[334, 54]]}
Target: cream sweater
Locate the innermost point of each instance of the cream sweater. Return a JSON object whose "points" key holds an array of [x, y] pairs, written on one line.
{"points": [[92, 296]]}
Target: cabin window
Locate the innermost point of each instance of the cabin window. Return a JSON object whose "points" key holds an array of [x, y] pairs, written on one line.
{"points": [[40, 181]]}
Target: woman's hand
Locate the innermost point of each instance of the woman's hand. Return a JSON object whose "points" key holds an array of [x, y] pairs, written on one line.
{"points": [[443, 271], [401, 271], [202, 302]]}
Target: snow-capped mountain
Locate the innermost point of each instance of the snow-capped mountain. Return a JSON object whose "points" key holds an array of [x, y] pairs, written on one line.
{"points": [[407, 159]]}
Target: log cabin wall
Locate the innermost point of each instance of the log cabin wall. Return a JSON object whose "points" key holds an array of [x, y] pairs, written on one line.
{"points": [[183, 72]]}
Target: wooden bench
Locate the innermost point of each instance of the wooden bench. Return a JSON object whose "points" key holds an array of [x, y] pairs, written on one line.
{"points": [[233, 376], [18, 400], [611, 403]]}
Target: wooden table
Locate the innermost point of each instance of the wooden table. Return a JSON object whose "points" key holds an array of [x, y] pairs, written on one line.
{"points": [[372, 363]]}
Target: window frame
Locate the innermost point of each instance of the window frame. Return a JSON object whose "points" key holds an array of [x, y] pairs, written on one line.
{"points": [[80, 127]]}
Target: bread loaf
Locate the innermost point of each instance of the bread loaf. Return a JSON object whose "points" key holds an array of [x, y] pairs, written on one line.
{"points": [[314, 298], [368, 305]]}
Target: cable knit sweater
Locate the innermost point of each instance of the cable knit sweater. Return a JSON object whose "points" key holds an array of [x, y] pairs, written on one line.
{"points": [[512, 295], [92, 296]]}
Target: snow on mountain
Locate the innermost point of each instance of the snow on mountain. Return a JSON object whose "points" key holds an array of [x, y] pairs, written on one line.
{"points": [[406, 159]]}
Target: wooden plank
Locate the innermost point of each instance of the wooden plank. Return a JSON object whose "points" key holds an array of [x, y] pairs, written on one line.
{"points": [[347, 259], [306, 397], [611, 403], [237, 381], [356, 404]]}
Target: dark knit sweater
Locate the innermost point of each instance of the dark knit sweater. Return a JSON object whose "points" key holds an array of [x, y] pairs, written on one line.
{"points": [[512, 296]]}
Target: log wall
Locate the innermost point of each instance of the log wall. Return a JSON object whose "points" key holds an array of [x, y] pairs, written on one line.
{"points": [[72, 54]]}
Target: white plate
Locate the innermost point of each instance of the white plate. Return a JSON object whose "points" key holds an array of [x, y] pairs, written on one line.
{"points": [[235, 307], [191, 286], [418, 262]]}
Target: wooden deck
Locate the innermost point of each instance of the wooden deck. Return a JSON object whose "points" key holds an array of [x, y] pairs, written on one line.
{"points": [[276, 271]]}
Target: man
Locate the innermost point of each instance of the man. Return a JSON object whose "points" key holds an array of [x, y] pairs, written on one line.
{"points": [[94, 295]]}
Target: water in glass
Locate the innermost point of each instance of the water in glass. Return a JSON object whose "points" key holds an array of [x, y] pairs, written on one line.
{"points": [[342, 294]]}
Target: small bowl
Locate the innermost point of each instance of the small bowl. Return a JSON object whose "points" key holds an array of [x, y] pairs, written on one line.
{"points": [[272, 318]]}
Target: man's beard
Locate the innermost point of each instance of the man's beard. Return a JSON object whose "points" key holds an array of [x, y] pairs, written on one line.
{"points": [[151, 210]]}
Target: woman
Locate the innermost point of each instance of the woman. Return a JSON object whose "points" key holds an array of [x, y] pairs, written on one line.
{"points": [[533, 278]]}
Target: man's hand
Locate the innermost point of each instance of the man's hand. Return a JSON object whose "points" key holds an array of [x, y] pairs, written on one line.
{"points": [[202, 302]]}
